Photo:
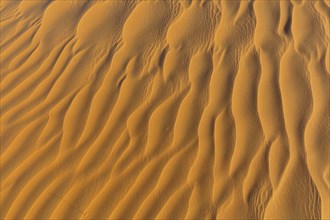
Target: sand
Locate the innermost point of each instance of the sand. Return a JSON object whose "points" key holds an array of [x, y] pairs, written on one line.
{"points": [[165, 109]]}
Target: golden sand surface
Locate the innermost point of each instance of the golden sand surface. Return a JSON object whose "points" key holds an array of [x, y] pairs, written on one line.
{"points": [[165, 109]]}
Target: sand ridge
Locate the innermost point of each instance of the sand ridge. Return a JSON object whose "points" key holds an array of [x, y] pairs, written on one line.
{"points": [[165, 109]]}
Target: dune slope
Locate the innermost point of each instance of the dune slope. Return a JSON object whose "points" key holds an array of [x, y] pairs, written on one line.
{"points": [[165, 109]]}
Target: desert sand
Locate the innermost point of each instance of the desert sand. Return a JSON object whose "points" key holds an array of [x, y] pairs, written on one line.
{"points": [[124, 109]]}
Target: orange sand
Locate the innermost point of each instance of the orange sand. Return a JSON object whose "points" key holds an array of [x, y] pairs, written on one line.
{"points": [[165, 109]]}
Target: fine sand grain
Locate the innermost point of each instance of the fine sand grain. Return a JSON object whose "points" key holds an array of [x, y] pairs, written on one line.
{"points": [[165, 109]]}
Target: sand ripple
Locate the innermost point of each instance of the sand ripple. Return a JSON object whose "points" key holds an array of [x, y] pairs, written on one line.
{"points": [[165, 109]]}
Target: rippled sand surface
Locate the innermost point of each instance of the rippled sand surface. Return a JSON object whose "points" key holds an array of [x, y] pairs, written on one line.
{"points": [[165, 109]]}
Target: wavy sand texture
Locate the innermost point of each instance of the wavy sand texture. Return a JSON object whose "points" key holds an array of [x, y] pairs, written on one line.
{"points": [[165, 109]]}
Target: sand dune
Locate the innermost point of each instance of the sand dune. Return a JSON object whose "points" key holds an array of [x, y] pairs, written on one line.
{"points": [[165, 109]]}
